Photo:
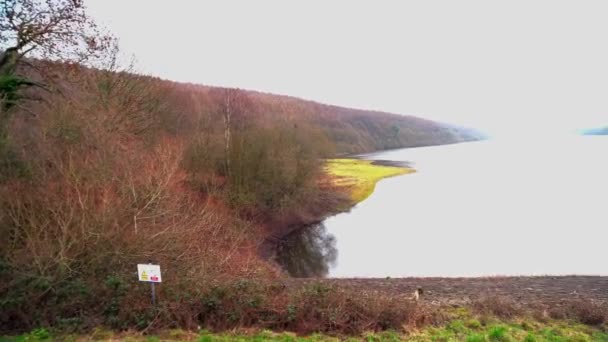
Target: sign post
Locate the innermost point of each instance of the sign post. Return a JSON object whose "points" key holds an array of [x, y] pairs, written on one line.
{"points": [[150, 273]]}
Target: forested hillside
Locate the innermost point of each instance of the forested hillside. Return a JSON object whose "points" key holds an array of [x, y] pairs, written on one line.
{"points": [[349, 130], [102, 168]]}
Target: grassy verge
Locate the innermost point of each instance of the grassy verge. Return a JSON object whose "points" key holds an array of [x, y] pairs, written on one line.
{"points": [[360, 176], [472, 330], [467, 329]]}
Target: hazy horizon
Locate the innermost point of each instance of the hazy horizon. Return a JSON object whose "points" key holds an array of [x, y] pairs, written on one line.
{"points": [[507, 69]]}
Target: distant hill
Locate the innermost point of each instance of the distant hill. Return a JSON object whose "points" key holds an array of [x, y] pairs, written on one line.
{"points": [[192, 106], [351, 130], [596, 131]]}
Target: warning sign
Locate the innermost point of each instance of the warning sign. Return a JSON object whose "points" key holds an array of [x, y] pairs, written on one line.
{"points": [[149, 272]]}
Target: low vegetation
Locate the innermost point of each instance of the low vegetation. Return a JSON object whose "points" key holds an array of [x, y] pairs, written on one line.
{"points": [[360, 176], [454, 324], [250, 310]]}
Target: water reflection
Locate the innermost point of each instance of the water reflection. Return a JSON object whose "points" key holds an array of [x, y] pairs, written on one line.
{"points": [[309, 252]]}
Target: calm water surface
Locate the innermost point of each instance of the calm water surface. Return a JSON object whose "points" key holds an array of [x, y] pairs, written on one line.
{"points": [[498, 207]]}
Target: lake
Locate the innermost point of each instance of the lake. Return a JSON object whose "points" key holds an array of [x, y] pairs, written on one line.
{"points": [[526, 206]]}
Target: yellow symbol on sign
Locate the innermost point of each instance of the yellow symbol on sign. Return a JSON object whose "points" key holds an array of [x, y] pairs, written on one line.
{"points": [[144, 275]]}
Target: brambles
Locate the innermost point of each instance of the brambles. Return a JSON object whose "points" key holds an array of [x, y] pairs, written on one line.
{"points": [[253, 310], [497, 306], [583, 311], [100, 198], [313, 308]]}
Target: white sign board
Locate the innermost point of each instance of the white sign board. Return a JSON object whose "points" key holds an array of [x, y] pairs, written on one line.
{"points": [[149, 273]]}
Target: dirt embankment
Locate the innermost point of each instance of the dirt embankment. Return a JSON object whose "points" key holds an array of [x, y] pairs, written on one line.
{"points": [[462, 291]]}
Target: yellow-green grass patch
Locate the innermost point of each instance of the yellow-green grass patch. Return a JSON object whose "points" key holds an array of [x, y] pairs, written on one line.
{"points": [[360, 176]]}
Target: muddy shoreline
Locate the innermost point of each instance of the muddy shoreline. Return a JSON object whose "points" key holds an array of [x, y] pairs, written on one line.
{"points": [[393, 163]]}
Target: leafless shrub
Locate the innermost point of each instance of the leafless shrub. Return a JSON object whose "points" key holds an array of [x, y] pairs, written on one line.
{"points": [[497, 306], [313, 308], [586, 312]]}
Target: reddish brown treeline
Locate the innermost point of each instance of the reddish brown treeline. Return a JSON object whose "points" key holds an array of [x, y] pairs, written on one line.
{"points": [[111, 169]]}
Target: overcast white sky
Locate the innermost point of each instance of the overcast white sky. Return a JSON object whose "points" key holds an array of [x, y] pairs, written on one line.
{"points": [[507, 67]]}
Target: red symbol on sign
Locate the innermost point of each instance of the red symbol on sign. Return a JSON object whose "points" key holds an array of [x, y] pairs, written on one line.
{"points": [[154, 278]]}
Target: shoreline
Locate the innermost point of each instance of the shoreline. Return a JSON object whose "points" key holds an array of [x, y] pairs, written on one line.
{"points": [[393, 163], [354, 179], [347, 184]]}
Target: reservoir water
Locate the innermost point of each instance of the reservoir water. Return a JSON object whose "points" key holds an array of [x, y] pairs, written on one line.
{"points": [[498, 207]]}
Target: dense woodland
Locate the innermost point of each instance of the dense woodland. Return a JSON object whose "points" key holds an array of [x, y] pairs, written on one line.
{"points": [[102, 168], [350, 130]]}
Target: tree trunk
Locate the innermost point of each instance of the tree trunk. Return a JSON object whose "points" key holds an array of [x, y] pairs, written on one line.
{"points": [[227, 114], [8, 61]]}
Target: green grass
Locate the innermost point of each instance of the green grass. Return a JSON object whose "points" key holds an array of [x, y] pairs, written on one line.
{"points": [[360, 176], [456, 330], [498, 334], [512, 331], [260, 337], [476, 338]]}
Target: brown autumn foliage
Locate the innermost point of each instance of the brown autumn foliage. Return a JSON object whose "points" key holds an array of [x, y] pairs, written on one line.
{"points": [[497, 306], [349, 130], [115, 169], [103, 189], [580, 310], [101, 169], [312, 308]]}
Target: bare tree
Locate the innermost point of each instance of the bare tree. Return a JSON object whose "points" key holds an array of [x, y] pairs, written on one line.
{"points": [[233, 105], [58, 30]]}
